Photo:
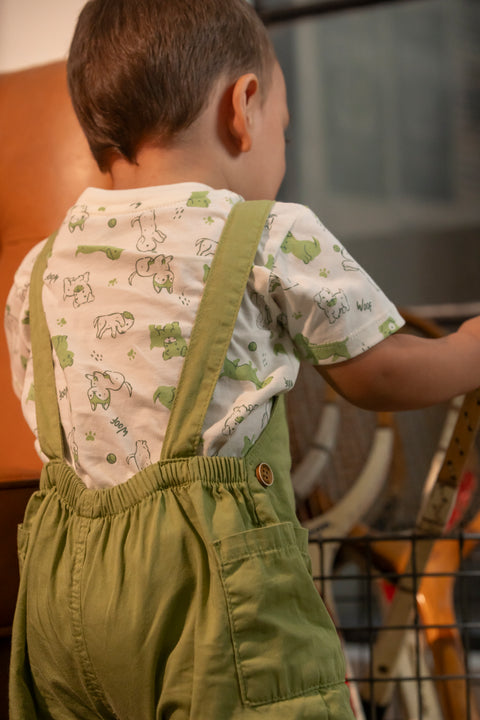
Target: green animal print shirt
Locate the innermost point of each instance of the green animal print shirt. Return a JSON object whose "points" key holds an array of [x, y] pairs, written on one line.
{"points": [[121, 291]]}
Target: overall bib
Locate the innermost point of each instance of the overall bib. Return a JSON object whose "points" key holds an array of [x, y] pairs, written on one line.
{"points": [[185, 592]]}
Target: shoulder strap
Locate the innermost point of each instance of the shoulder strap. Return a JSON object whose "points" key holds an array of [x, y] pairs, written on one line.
{"points": [[46, 406], [214, 324]]}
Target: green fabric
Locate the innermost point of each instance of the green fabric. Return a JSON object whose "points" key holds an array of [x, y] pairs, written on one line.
{"points": [[184, 593], [48, 416]]}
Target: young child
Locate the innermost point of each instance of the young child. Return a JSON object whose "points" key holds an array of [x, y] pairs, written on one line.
{"points": [[163, 571]]}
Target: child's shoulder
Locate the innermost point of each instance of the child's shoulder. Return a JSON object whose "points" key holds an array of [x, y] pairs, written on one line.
{"points": [[295, 216], [293, 223]]}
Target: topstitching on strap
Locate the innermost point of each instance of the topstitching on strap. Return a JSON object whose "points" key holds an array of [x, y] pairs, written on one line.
{"points": [[46, 405], [213, 328]]}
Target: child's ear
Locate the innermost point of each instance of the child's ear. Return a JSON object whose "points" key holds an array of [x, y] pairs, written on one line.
{"points": [[245, 98]]}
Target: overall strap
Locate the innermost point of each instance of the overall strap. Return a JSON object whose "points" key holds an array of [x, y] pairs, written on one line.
{"points": [[49, 428], [214, 324]]}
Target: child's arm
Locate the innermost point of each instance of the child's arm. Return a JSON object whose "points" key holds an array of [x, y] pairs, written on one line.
{"points": [[405, 372]]}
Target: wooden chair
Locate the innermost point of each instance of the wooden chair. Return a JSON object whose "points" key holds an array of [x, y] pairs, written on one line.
{"points": [[45, 164]]}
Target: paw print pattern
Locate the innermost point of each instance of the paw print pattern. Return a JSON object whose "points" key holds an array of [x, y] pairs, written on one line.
{"points": [[90, 436]]}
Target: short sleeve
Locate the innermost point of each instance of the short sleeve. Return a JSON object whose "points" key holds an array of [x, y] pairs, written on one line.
{"points": [[331, 307]]}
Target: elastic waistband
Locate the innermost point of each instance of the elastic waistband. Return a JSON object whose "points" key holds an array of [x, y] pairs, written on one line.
{"points": [[170, 474]]}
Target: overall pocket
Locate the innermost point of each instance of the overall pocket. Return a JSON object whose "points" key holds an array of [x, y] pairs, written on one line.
{"points": [[285, 644]]}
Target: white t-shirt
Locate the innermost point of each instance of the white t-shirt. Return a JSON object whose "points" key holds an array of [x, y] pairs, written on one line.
{"points": [[121, 292]]}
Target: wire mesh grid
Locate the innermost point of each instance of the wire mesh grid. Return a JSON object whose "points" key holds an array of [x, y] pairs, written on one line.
{"points": [[433, 650]]}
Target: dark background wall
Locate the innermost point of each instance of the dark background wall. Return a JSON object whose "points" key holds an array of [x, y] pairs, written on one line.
{"points": [[385, 141]]}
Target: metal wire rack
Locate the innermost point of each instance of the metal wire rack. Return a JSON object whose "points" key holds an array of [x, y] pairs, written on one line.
{"points": [[437, 647]]}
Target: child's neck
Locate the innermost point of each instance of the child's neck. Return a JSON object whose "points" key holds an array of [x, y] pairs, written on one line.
{"points": [[158, 166]]}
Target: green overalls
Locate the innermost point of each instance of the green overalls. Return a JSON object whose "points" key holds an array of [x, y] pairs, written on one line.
{"points": [[186, 591]]}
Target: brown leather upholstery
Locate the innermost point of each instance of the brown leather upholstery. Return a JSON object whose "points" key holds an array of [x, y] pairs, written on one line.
{"points": [[45, 164]]}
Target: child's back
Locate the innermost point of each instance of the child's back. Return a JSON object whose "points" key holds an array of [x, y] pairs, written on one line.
{"points": [[123, 287]]}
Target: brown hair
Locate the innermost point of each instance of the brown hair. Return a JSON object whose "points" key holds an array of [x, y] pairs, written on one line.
{"points": [[144, 69]]}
